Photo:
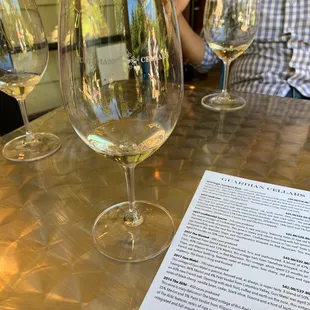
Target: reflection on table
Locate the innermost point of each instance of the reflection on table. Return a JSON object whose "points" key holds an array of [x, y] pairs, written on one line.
{"points": [[47, 207]]}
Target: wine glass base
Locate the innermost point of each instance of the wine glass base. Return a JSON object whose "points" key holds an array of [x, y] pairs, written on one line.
{"points": [[25, 149], [223, 102], [124, 243]]}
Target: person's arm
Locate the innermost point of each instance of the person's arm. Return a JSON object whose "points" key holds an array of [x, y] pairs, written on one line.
{"points": [[194, 48]]}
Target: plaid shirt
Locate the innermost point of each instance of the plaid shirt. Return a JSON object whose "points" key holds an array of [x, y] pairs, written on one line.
{"points": [[279, 57]]}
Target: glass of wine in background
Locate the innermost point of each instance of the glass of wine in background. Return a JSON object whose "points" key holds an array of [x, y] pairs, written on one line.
{"points": [[122, 86], [23, 60], [229, 29]]}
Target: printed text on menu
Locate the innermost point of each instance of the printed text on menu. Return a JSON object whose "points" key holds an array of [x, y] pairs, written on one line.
{"points": [[241, 245]]}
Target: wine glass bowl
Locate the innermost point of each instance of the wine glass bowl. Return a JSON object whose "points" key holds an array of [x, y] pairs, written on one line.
{"points": [[23, 60], [229, 29], [122, 86]]}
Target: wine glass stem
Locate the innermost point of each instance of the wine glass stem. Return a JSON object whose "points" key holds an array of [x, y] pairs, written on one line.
{"points": [[226, 75], [132, 218], [22, 106]]}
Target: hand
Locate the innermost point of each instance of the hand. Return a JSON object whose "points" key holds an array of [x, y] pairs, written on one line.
{"points": [[180, 5]]}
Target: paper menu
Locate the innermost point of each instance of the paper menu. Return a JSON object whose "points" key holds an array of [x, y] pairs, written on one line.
{"points": [[241, 245]]}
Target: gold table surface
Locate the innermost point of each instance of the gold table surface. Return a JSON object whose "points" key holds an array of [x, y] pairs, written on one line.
{"points": [[47, 208]]}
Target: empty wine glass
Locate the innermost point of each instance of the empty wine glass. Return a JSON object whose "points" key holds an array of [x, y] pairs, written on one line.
{"points": [[122, 86], [23, 60], [229, 29]]}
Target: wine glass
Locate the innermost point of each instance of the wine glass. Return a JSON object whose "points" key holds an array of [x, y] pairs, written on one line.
{"points": [[122, 86], [229, 29], [23, 60]]}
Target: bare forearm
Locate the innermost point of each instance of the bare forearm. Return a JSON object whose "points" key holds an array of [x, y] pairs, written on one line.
{"points": [[192, 44]]}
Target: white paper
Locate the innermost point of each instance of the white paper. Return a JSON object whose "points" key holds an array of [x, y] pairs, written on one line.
{"points": [[241, 245], [112, 66]]}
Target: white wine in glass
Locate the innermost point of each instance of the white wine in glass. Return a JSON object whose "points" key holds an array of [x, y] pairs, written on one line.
{"points": [[122, 85], [229, 28], [112, 138], [23, 60]]}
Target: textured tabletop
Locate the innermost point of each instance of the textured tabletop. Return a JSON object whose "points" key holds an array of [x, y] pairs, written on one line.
{"points": [[47, 208]]}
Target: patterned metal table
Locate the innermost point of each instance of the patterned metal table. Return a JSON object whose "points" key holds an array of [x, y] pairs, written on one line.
{"points": [[47, 208]]}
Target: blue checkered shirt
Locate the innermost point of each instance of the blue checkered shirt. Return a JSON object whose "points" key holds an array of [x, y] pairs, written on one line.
{"points": [[279, 57]]}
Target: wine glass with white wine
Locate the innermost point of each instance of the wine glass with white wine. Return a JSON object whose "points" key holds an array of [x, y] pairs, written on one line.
{"points": [[122, 86], [23, 60], [229, 28]]}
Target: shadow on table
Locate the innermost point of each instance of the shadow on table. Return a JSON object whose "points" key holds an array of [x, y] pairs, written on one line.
{"points": [[10, 116]]}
